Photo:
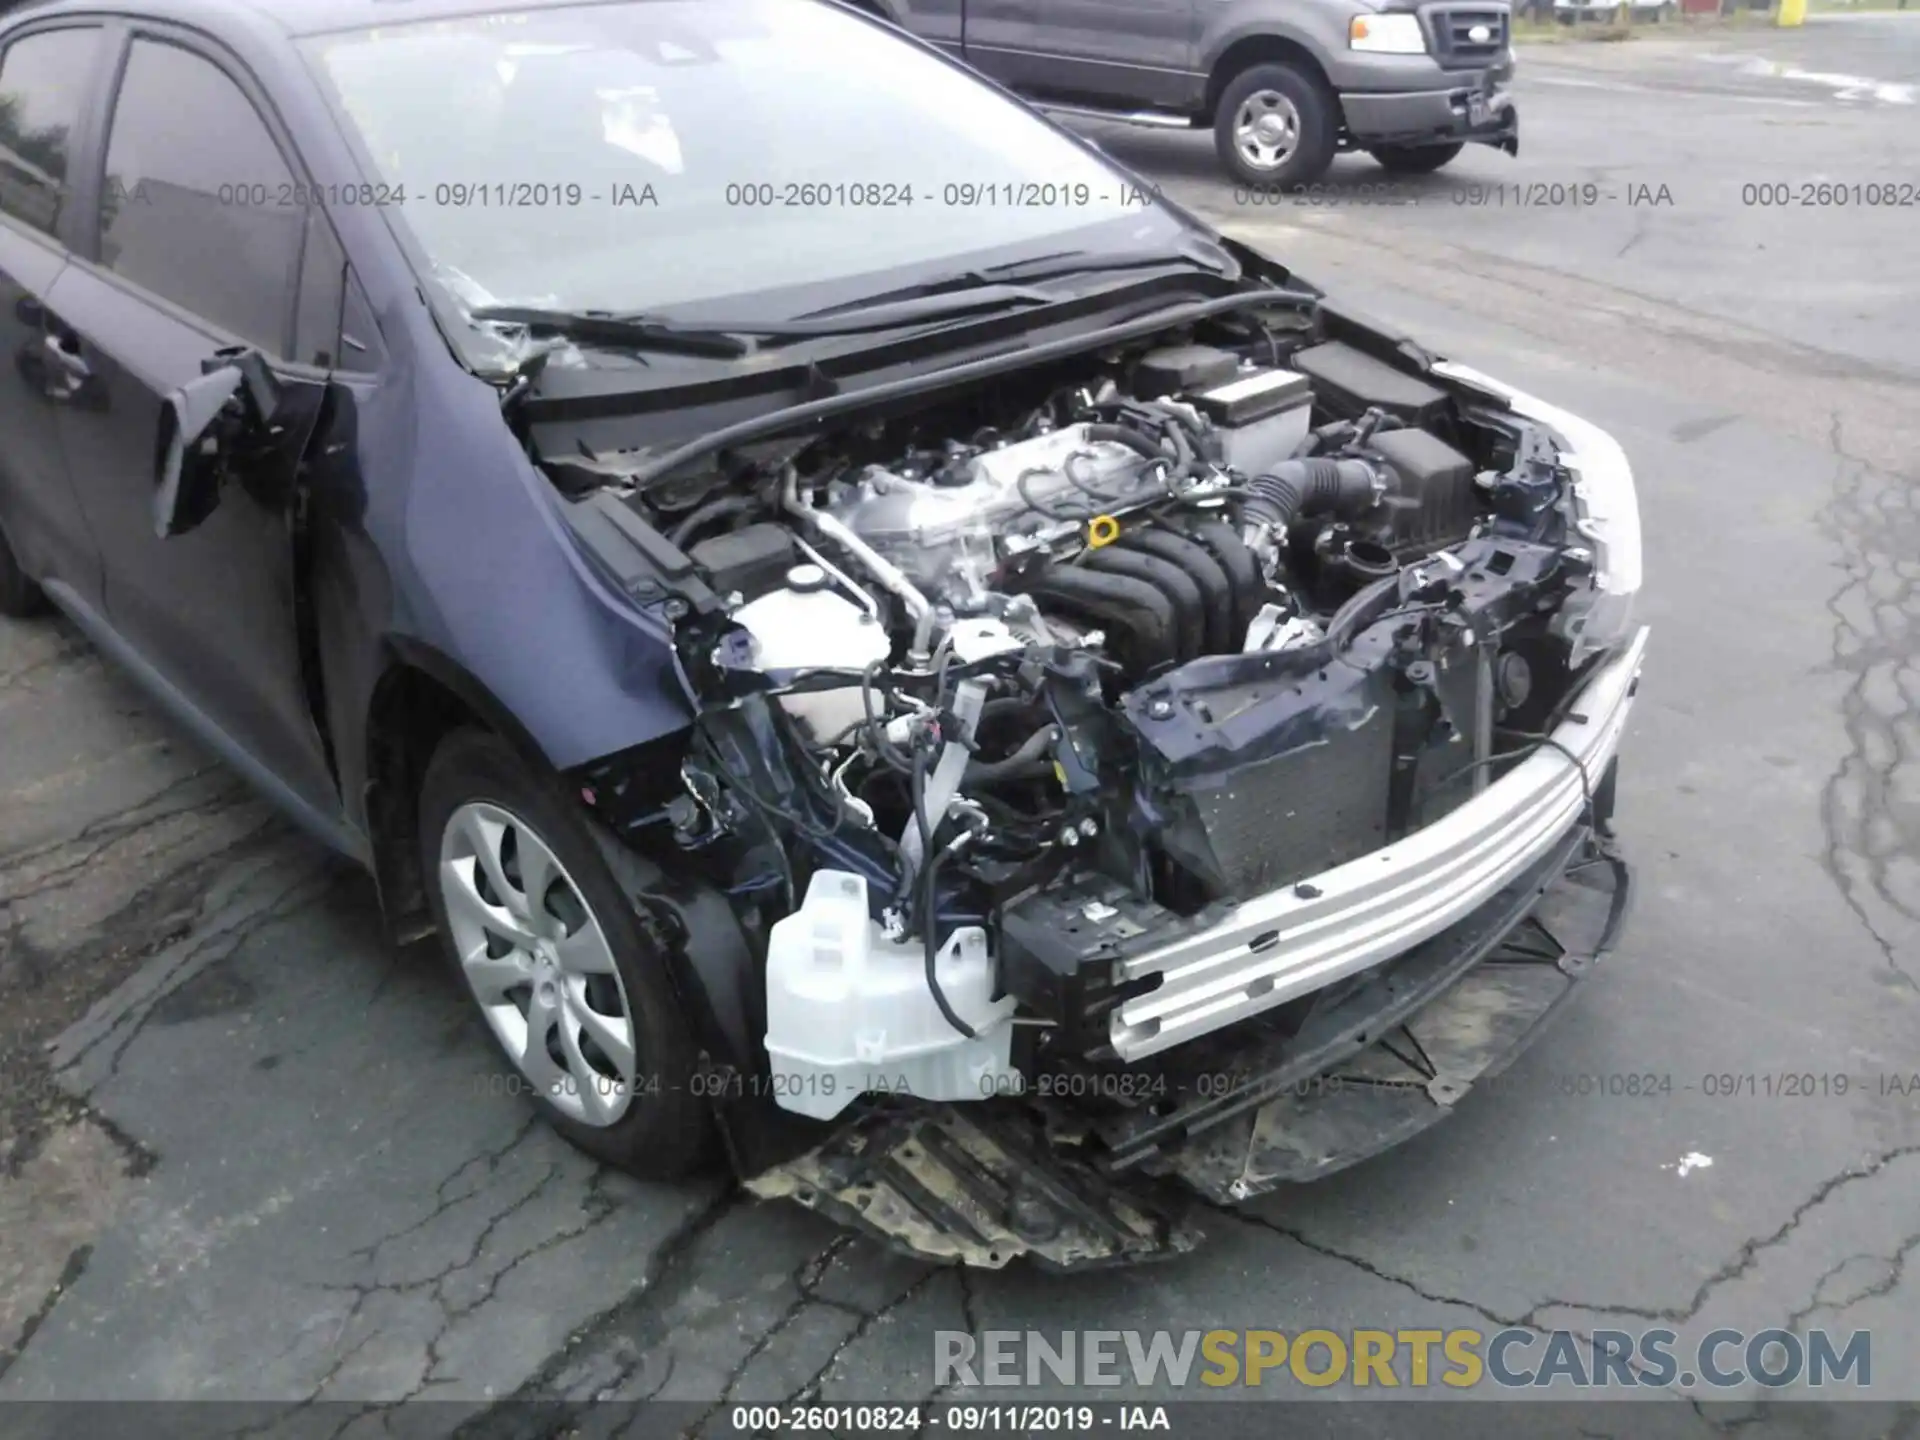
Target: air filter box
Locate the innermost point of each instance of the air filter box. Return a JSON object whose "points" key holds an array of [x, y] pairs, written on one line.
{"points": [[1349, 382]]}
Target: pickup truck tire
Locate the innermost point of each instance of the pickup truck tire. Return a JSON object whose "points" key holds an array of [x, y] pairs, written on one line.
{"points": [[1414, 159], [20, 598], [1277, 125]]}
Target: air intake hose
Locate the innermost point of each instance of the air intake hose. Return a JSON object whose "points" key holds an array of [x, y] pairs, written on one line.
{"points": [[1314, 486]]}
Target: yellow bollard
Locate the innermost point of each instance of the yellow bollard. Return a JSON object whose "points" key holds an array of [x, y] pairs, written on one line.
{"points": [[1791, 12]]}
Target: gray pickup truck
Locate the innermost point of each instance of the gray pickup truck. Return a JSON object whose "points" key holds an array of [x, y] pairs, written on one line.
{"points": [[1283, 84]]}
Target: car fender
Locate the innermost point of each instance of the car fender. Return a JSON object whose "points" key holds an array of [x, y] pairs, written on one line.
{"points": [[501, 586], [1246, 32], [1320, 29]]}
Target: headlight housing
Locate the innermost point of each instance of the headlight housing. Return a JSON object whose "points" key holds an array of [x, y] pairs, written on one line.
{"points": [[1607, 507], [1387, 34]]}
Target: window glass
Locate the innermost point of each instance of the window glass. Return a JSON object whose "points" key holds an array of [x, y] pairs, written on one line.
{"points": [[316, 325], [333, 328], [645, 155], [43, 86], [198, 205]]}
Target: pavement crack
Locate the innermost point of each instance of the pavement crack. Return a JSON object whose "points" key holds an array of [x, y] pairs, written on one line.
{"points": [[798, 1305], [1896, 1264], [1868, 831], [596, 1214], [864, 1326], [435, 1285], [179, 797], [967, 1300], [1745, 1258], [70, 1274], [218, 943], [668, 1273], [1432, 1297], [490, 1159]]}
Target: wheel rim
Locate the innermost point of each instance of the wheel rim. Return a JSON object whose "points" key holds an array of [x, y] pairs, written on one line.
{"points": [[538, 963], [1266, 129]]}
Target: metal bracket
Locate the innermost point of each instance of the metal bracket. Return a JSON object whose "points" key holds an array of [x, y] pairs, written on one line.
{"points": [[1447, 1092]]}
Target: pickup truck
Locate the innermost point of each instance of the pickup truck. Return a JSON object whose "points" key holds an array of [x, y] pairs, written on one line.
{"points": [[1284, 84]]}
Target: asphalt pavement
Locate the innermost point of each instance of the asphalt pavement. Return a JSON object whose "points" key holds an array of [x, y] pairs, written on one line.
{"points": [[252, 1152]]}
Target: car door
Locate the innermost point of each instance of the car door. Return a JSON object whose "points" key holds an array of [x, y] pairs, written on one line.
{"points": [[198, 246], [1002, 40], [940, 21], [47, 73], [1123, 54]]}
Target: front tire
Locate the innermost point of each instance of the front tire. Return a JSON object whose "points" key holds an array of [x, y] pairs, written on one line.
{"points": [[1415, 159], [1276, 126], [20, 598], [559, 967]]}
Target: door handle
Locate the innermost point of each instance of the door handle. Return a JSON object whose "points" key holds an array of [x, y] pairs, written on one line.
{"points": [[68, 370]]}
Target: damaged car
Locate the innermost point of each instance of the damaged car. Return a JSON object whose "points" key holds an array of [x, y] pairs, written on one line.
{"points": [[888, 654]]}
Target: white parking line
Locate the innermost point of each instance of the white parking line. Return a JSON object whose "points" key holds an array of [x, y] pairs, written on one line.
{"points": [[1844, 87], [1623, 87]]}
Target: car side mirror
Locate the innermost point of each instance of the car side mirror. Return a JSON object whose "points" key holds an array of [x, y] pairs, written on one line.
{"points": [[203, 426]]}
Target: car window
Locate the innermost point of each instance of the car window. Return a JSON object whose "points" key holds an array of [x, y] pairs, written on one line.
{"points": [[674, 152], [333, 327], [316, 323], [43, 86], [197, 205]]}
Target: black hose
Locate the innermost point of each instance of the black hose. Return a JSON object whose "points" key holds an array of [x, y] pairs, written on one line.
{"points": [[929, 921], [1314, 486], [1128, 436], [1030, 750], [1005, 705], [706, 514]]}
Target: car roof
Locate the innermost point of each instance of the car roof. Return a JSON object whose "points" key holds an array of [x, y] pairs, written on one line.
{"points": [[291, 17]]}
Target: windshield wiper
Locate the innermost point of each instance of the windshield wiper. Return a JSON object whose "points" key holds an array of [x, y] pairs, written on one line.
{"points": [[892, 310], [622, 332], [1056, 265], [980, 290], [730, 340]]}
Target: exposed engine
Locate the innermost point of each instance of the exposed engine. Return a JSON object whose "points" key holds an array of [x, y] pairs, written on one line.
{"points": [[990, 688], [1155, 532]]}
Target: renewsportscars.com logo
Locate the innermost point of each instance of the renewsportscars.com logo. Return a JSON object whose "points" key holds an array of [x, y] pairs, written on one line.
{"points": [[1388, 1359]]}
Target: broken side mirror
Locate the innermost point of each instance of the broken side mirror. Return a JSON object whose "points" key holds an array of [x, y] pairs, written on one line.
{"points": [[204, 425]]}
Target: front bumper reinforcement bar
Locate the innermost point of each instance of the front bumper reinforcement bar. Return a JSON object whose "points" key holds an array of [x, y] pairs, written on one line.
{"points": [[1375, 1060]]}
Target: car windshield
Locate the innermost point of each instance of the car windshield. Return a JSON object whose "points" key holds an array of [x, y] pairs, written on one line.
{"points": [[638, 156]]}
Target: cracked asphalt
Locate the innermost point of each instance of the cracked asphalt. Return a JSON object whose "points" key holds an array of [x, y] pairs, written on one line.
{"points": [[248, 1151]]}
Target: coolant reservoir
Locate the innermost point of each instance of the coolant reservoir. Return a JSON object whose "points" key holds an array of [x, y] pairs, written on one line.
{"points": [[849, 1011], [810, 627]]}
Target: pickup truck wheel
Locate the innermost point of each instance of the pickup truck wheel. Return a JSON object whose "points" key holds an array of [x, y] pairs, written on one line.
{"points": [[19, 596], [557, 962], [1414, 159], [1276, 126]]}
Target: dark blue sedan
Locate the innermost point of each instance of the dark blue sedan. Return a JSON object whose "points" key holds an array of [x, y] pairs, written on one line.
{"points": [[871, 637]]}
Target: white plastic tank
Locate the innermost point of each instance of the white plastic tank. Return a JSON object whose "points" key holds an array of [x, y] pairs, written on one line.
{"points": [[810, 627], [849, 1011]]}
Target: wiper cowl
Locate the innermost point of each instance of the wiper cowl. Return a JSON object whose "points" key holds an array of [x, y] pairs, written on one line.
{"points": [[620, 332]]}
